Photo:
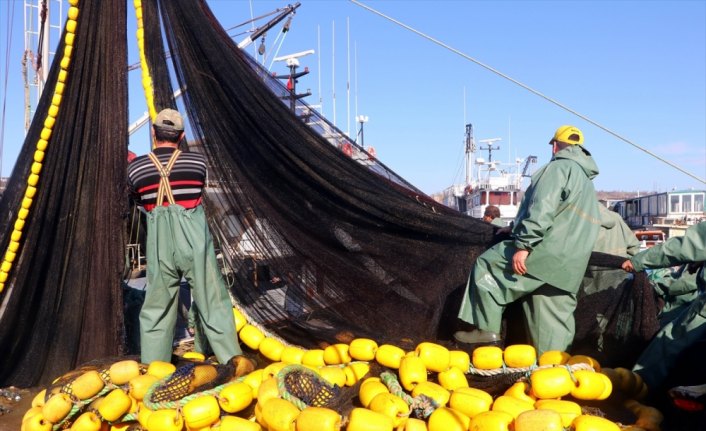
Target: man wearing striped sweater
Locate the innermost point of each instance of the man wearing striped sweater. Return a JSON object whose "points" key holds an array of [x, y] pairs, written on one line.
{"points": [[168, 184]]}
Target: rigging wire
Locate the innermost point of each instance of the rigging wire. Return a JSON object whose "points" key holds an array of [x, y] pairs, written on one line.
{"points": [[526, 87]]}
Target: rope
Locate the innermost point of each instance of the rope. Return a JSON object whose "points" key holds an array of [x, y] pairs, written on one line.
{"points": [[508, 370], [421, 405], [174, 404], [528, 88]]}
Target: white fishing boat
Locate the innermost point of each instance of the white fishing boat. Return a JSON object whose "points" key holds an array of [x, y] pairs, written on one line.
{"points": [[489, 181]]}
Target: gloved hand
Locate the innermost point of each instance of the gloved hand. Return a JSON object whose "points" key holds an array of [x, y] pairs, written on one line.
{"points": [[243, 365]]}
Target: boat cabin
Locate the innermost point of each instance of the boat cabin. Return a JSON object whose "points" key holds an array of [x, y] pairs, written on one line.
{"points": [[648, 238]]}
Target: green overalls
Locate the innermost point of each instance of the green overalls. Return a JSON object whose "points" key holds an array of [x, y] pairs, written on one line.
{"points": [[179, 245]]}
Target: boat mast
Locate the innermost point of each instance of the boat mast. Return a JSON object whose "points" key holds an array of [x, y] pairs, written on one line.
{"points": [[38, 36], [470, 149]]}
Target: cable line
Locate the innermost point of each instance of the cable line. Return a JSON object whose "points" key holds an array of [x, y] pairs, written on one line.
{"points": [[526, 87]]}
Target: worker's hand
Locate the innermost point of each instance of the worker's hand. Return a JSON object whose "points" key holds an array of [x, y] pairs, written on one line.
{"points": [[505, 230], [518, 262], [627, 266]]}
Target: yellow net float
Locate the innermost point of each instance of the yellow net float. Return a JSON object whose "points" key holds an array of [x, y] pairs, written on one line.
{"points": [[10, 256], [487, 358], [533, 420], [201, 412], [589, 385], [412, 371], [567, 410], [279, 414], [73, 2], [511, 405], [452, 379], [470, 401], [271, 348], [138, 386], [363, 349], [521, 391], [165, 420], [459, 359], [36, 168], [235, 423], [593, 423], [33, 179], [36, 422], [57, 407], [391, 406], [491, 421], [337, 354], [114, 405], [272, 369], [254, 380], [413, 424], [13, 246], [318, 419], [87, 385], [549, 383], [292, 355], [389, 355], [239, 319], [42, 143], [369, 389], [333, 374], [520, 356], [446, 419], [143, 415], [435, 357], [73, 12], [69, 39], [314, 358], [160, 369], [71, 27], [123, 371], [251, 336], [362, 419], [235, 397], [355, 371], [432, 390]]}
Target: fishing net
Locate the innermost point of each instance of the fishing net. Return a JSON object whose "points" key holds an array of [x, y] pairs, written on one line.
{"points": [[319, 241], [61, 302]]}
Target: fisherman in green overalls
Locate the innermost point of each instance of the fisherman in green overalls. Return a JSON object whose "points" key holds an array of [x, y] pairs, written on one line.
{"points": [[168, 184], [542, 266], [660, 356]]}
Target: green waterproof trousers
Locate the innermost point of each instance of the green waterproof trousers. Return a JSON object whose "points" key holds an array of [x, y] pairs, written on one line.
{"points": [[492, 286], [179, 245], [659, 358]]}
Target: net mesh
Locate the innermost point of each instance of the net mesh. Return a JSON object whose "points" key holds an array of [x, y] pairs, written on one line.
{"points": [[318, 245]]}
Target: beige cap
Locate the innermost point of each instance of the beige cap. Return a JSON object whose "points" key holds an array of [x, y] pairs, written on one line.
{"points": [[169, 119]]}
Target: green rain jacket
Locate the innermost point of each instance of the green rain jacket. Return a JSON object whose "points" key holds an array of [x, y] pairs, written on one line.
{"points": [[558, 219], [615, 237], [677, 250]]}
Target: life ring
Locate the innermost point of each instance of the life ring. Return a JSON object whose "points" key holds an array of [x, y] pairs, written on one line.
{"points": [[347, 149], [372, 153]]}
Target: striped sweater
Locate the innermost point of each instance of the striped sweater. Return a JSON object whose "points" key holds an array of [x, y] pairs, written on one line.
{"points": [[187, 178]]}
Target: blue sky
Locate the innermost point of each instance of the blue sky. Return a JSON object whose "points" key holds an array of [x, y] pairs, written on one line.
{"points": [[637, 68]]}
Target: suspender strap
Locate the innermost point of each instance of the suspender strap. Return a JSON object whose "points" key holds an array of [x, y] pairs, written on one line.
{"points": [[164, 171]]}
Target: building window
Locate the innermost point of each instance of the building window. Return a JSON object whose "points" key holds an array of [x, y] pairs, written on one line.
{"points": [[662, 203], [699, 203], [686, 203], [674, 206]]}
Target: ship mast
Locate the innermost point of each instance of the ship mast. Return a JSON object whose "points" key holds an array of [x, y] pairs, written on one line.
{"points": [[470, 149]]}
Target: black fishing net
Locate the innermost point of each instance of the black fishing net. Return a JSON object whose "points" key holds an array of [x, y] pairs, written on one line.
{"points": [[61, 304], [316, 243], [320, 242]]}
